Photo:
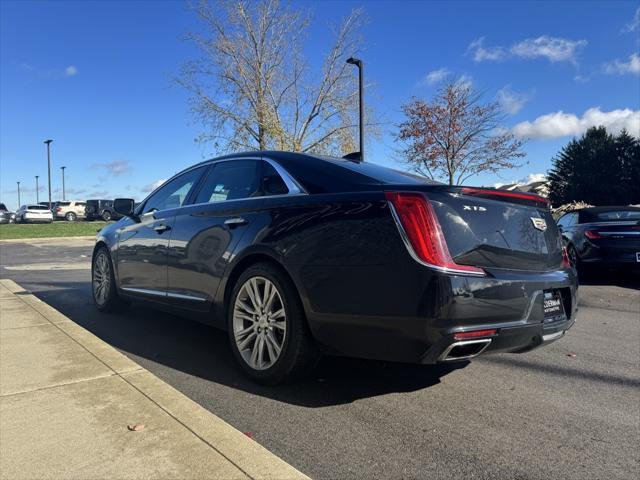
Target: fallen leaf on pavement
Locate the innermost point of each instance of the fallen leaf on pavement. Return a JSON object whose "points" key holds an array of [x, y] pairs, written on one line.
{"points": [[572, 355], [136, 427], [249, 434]]}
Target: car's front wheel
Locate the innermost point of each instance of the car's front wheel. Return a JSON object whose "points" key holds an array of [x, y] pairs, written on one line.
{"points": [[106, 215], [103, 283], [268, 330]]}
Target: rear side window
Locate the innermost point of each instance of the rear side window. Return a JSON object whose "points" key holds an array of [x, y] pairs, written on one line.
{"points": [[37, 207], [567, 220], [64, 204], [272, 182], [230, 180]]}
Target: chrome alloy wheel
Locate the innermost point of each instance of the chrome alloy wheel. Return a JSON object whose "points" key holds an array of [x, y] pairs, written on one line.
{"points": [[101, 278], [259, 323]]}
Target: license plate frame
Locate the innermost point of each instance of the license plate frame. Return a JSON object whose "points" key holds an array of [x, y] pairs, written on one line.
{"points": [[552, 306]]}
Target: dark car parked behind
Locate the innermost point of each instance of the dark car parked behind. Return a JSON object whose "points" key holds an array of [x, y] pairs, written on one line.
{"points": [[101, 210], [602, 237], [296, 254]]}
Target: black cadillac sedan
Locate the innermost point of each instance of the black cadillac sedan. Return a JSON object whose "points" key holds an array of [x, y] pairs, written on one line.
{"points": [[602, 237], [297, 255]]}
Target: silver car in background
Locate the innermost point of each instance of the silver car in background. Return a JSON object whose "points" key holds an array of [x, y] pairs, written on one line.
{"points": [[34, 214], [5, 215]]}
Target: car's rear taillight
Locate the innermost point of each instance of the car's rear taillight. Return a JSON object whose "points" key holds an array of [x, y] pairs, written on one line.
{"points": [[592, 234], [418, 221], [58, 209], [566, 262]]}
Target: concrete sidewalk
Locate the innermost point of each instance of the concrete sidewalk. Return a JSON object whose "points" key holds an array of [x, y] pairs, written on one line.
{"points": [[67, 399]]}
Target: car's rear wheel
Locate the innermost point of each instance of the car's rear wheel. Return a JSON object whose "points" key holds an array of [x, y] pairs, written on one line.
{"points": [[268, 330], [70, 217], [106, 215], [103, 283]]}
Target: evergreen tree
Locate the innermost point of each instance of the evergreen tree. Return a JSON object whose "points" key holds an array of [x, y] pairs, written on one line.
{"points": [[597, 168]]}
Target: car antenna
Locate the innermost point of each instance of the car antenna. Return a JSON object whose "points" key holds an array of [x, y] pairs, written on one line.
{"points": [[353, 157]]}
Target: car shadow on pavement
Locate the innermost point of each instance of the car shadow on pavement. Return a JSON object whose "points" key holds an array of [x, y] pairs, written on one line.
{"points": [[617, 278], [151, 336]]}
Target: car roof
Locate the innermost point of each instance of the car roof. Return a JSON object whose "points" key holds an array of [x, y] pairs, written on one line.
{"points": [[610, 208], [329, 174]]}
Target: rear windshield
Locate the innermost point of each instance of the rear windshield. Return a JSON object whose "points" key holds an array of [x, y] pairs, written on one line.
{"points": [[37, 207], [617, 215], [63, 204], [384, 174]]}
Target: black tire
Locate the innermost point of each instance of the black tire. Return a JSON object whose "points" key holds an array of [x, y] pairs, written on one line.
{"points": [[573, 257], [112, 302], [106, 216], [70, 217], [299, 352]]}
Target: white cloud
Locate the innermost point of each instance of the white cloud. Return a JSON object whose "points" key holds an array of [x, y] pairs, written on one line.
{"points": [[116, 168], [436, 76], [465, 81], [620, 68], [560, 124], [152, 186], [553, 49], [71, 71], [532, 177], [634, 24], [512, 102], [480, 53]]}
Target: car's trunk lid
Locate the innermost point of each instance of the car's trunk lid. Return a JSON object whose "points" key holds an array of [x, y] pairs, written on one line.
{"points": [[494, 229]]}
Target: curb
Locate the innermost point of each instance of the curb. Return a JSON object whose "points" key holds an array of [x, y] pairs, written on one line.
{"points": [[46, 239], [250, 457]]}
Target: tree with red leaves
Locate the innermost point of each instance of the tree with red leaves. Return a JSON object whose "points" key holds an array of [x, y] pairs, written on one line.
{"points": [[455, 136]]}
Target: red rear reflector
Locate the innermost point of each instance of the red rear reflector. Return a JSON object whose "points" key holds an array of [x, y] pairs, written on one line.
{"points": [[419, 221], [474, 334], [591, 234], [531, 197], [566, 263]]}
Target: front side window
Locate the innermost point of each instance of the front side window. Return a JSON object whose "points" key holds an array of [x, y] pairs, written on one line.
{"points": [[231, 180], [174, 193]]}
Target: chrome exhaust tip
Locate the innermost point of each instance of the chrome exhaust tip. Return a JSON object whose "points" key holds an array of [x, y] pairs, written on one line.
{"points": [[464, 350]]}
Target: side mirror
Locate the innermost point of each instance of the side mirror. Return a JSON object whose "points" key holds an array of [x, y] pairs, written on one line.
{"points": [[124, 206]]}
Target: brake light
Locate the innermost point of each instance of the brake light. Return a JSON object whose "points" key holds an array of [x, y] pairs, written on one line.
{"points": [[591, 234], [424, 234], [531, 197], [474, 334], [58, 209], [566, 262]]}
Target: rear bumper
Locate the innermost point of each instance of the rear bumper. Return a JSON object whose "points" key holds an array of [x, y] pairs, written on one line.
{"points": [[412, 316]]}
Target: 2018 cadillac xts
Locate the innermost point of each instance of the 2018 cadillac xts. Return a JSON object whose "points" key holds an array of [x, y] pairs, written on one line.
{"points": [[297, 255]]}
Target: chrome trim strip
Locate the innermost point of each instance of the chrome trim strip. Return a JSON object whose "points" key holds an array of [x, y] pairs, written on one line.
{"points": [[145, 291], [613, 234], [291, 183], [443, 356], [181, 296], [407, 243], [552, 336]]}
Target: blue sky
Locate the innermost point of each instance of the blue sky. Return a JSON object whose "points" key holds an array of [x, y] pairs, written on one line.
{"points": [[96, 78]]}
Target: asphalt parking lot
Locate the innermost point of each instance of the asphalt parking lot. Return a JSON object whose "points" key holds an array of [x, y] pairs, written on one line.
{"points": [[570, 410]]}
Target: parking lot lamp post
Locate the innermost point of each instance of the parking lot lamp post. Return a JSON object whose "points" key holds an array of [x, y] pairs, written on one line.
{"points": [[18, 194], [357, 62], [62, 168], [37, 190], [48, 143]]}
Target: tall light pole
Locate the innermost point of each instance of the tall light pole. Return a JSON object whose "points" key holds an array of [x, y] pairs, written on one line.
{"points": [[48, 143], [358, 63], [62, 168], [37, 190], [18, 194]]}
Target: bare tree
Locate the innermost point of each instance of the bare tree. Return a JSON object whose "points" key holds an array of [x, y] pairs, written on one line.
{"points": [[455, 136], [253, 89]]}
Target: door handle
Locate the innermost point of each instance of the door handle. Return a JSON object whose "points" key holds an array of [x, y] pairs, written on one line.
{"points": [[161, 228], [235, 221]]}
